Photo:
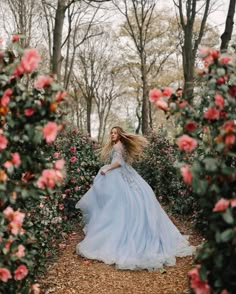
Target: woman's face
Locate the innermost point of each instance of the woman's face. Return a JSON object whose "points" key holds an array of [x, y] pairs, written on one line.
{"points": [[114, 135]]}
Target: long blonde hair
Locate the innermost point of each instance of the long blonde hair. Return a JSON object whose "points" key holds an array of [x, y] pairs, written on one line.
{"points": [[133, 144]]}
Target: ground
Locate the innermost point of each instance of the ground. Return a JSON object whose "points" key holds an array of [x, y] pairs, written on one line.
{"points": [[71, 273]]}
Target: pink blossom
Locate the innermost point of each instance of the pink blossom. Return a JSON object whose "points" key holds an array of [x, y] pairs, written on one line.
{"points": [[21, 272], [7, 164], [221, 205], [59, 164], [15, 158], [186, 143], [29, 111], [15, 38], [186, 174], [161, 104], [49, 178], [15, 218], [61, 206], [154, 95], [183, 104], [225, 59], [190, 126], [21, 251], [5, 275], [6, 97], [167, 92], [233, 202], [224, 292], [219, 100], [212, 113], [73, 159], [43, 81], [56, 154], [29, 62], [229, 139], [72, 149], [199, 286], [50, 131], [60, 96], [3, 142]]}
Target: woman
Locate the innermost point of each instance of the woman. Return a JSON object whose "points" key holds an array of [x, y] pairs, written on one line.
{"points": [[124, 223]]}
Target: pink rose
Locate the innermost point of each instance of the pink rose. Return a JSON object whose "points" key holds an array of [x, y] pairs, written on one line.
{"points": [[186, 143], [161, 104], [21, 272], [61, 206], [225, 59], [221, 205], [56, 154], [229, 139], [6, 97], [5, 275], [186, 174], [212, 113], [15, 158], [190, 126], [59, 164], [199, 286], [72, 149], [154, 95], [219, 101], [29, 62], [15, 38], [49, 178], [21, 251], [60, 96], [233, 202], [167, 92], [73, 159], [50, 131], [43, 81], [3, 142], [29, 111]]}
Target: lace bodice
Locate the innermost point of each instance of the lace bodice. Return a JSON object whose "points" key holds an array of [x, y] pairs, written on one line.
{"points": [[118, 154]]}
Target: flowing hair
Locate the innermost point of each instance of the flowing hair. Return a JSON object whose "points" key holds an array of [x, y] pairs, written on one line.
{"points": [[133, 144]]}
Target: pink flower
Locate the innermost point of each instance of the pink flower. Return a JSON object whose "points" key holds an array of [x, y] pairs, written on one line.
{"points": [[161, 104], [43, 81], [182, 104], [3, 142], [5, 275], [29, 62], [186, 174], [221, 205], [72, 149], [167, 92], [60, 96], [49, 178], [15, 38], [73, 159], [190, 126], [21, 251], [6, 97], [219, 101], [20, 273], [224, 292], [225, 59], [229, 139], [61, 206], [199, 286], [59, 164], [15, 158], [233, 202], [29, 111], [56, 154], [154, 95], [50, 132], [15, 218], [186, 143], [212, 113]]}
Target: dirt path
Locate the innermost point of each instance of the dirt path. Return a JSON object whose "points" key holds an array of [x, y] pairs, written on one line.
{"points": [[74, 274]]}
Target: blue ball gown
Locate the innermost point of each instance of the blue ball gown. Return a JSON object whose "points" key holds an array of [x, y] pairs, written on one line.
{"points": [[124, 224]]}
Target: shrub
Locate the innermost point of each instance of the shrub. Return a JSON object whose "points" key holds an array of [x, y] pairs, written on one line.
{"points": [[29, 121], [209, 125]]}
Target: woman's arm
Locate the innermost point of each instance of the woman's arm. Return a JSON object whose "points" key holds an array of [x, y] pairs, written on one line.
{"points": [[110, 167]]}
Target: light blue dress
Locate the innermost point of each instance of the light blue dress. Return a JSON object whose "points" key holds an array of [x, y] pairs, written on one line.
{"points": [[125, 224]]}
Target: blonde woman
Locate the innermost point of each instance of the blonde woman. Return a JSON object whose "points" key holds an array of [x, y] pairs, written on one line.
{"points": [[124, 223]]}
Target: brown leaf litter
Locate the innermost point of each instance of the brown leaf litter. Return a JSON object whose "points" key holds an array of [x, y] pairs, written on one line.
{"points": [[71, 273]]}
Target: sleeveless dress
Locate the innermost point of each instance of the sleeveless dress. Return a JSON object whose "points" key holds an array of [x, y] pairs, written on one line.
{"points": [[125, 224]]}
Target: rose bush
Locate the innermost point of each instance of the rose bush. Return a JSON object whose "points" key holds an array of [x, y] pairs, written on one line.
{"points": [[28, 122], [208, 127]]}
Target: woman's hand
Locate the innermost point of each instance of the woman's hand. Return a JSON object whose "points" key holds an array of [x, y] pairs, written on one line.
{"points": [[104, 171]]}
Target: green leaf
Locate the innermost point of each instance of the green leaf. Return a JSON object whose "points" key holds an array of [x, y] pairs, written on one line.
{"points": [[211, 164], [227, 216], [203, 273], [227, 235], [163, 271]]}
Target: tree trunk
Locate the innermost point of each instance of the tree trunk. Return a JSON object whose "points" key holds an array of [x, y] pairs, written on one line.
{"points": [[226, 36], [145, 102], [57, 38], [89, 110]]}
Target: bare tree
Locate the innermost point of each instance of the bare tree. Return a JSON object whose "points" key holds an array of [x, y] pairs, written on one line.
{"points": [[187, 12], [226, 36], [139, 15]]}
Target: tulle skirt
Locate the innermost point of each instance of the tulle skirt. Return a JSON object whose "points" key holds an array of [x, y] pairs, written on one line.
{"points": [[125, 225]]}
